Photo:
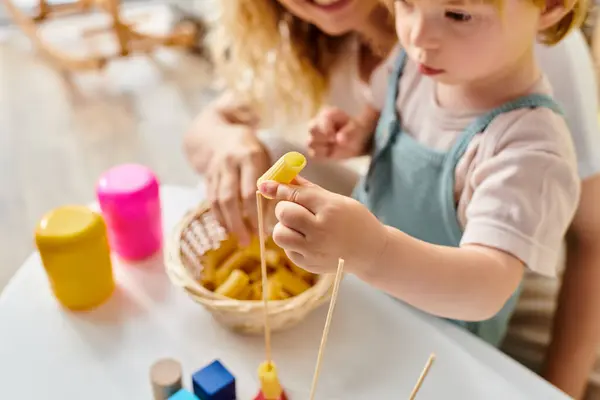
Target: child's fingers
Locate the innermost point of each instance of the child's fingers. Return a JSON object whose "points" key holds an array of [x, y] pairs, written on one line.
{"points": [[320, 152], [318, 148], [288, 239], [346, 142], [347, 134], [326, 124], [325, 129]]}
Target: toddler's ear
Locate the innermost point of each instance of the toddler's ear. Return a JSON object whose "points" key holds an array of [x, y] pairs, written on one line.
{"points": [[554, 12]]}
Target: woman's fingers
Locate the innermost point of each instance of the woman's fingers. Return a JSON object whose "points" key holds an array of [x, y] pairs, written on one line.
{"points": [[230, 205], [212, 194], [249, 174]]}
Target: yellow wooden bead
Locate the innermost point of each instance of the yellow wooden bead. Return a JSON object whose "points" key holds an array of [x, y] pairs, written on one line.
{"points": [[269, 383]]}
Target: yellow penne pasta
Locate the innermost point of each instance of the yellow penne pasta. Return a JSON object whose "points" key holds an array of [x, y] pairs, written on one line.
{"points": [[273, 258], [235, 283], [291, 283], [256, 274], [253, 249], [245, 293], [274, 289], [234, 261], [285, 169], [213, 258], [256, 291]]}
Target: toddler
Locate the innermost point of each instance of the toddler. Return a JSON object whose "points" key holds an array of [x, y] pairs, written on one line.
{"points": [[473, 175]]}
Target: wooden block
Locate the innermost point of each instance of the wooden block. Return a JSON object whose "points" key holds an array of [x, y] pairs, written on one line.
{"points": [[214, 382], [183, 394], [165, 376]]}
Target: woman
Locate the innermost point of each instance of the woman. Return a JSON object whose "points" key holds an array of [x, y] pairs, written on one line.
{"points": [[297, 54]]}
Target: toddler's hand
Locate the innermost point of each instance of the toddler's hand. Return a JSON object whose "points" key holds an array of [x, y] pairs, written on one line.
{"points": [[334, 134], [317, 227]]}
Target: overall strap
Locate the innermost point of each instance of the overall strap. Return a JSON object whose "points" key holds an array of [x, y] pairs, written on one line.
{"points": [[481, 123], [388, 124], [393, 84]]}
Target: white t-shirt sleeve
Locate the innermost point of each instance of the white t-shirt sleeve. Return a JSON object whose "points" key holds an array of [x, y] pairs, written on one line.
{"points": [[523, 187], [570, 70]]}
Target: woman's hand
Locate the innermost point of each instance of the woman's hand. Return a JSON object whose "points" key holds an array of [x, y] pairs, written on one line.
{"points": [[222, 146]]}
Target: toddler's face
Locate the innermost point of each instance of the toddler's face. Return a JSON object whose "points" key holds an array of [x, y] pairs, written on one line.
{"points": [[463, 42], [335, 17]]}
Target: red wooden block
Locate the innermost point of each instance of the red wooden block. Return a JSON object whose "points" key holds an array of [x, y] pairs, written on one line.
{"points": [[260, 396]]}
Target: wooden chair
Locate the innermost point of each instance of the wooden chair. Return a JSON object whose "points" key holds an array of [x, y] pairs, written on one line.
{"points": [[130, 41]]}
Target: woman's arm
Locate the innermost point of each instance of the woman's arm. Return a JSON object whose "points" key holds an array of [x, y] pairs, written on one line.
{"points": [[576, 332], [221, 122], [222, 146]]}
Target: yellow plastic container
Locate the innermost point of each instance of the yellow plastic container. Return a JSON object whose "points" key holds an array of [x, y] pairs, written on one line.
{"points": [[75, 253]]}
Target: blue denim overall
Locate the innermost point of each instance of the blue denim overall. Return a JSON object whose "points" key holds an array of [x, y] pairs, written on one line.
{"points": [[411, 187]]}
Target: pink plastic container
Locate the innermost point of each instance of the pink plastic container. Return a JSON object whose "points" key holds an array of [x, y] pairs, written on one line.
{"points": [[129, 199]]}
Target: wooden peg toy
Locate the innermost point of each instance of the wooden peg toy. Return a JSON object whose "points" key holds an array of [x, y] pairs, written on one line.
{"points": [[165, 376], [183, 394], [214, 382], [270, 388]]}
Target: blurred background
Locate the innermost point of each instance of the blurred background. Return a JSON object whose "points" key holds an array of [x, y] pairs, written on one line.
{"points": [[64, 120]]}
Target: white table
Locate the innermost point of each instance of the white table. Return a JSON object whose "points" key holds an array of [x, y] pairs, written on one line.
{"points": [[376, 350]]}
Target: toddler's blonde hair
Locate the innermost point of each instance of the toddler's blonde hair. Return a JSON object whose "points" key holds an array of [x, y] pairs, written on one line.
{"points": [[572, 20], [272, 61]]}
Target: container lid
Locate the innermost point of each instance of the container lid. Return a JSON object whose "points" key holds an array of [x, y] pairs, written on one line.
{"points": [[127, 182], [68, 225]]}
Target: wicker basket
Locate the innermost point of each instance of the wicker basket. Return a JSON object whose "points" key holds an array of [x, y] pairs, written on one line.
{"points": [[199, 232]]}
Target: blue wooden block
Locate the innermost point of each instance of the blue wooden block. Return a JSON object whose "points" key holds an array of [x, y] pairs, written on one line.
{"points": [[214, 382], [183, 394]]}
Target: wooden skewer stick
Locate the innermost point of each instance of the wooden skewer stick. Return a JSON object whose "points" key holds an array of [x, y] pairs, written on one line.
{"points": [[336, 286], [263, 266], [422, 377]]}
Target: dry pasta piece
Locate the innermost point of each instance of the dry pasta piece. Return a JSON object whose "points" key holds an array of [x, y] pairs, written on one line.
{"points": [[273, 258], [245, 293], [256, 291], [256, 274], [251, 266], [234, 261], [285, 169], [275, 289], [235, 283], [212, 258], [253, 249], [291, 283]]}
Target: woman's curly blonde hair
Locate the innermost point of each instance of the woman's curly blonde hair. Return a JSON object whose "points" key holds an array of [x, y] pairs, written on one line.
{"points": [[271, 60]]}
